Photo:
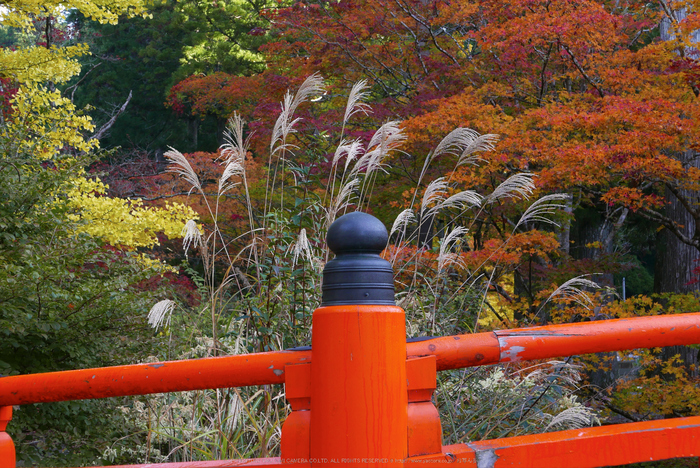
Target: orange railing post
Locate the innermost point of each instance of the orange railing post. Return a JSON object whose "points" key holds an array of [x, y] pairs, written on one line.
{"points": [[7, 448], [358, 370]]}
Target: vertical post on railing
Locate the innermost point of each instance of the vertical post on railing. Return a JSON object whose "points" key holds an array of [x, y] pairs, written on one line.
{"points": [[358, 368], [7, 448]]}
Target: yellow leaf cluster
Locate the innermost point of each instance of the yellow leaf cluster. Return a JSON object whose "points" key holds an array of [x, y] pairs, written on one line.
{"points": [[43, 122], [123, 222], [155, 265], [39, 64], [19, 13]]}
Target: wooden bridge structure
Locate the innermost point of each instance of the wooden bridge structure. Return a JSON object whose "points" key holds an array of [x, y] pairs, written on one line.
{"points": [[361, 395]]}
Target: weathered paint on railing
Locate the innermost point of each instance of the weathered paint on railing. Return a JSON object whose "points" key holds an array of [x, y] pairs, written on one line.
{"points": [[452, 352], [551, 341]]}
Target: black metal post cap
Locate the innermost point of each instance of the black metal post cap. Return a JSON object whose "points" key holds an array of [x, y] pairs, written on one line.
{"points": [[358, 275]]}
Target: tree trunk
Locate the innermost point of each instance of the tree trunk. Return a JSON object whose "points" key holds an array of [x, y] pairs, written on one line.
{"points": [[676, 261], [564, 233], [193, 127]]}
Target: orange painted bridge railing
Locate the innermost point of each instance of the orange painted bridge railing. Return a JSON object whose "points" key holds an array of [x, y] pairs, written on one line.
{"points": [[361, 396]]}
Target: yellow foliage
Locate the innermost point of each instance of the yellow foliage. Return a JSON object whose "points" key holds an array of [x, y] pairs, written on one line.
{"points": [[19, 13], [43, 122], [39, 64], [155, 265], [123, 222], [57, 64]]}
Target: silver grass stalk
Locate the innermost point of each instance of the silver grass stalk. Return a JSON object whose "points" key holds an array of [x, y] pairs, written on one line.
{"points": [[481, 143], [349, 148], [361, 164], [572, 290], [180, 165], [447, 257], [455, 141], [342, 149], [354, 150], [461, 200], [234, 167], [355, 104], [235, 145], [402, 221], [575, 417], [434, 193], [342, 201], [375, 161], [302, 248], [545, 206], [516, 186], [192, 236], [388, 136], [161, 312], [313, 85]]}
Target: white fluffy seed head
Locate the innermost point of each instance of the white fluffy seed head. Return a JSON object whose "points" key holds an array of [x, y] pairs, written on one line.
{"points": [[234, 168], [543, 208], [449, 255], [192, 236], [402, 221], [302, 248], [180, 165], [573, 290], [516, 186], [342, 200], [435, 192], [161, 312], [285, 123], [355, 104]]}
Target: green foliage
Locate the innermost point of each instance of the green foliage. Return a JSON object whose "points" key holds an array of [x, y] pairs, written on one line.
{"points": [[225, 35], [138, 55], [66, 301]]}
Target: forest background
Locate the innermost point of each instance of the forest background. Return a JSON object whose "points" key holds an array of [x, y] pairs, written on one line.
{"points": [[536, 162]]}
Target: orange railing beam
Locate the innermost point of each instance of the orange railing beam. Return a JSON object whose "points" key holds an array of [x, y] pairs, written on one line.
{"points": [[589, 447], [272, 462], [452, 352], [141, 379], [570, 339]]}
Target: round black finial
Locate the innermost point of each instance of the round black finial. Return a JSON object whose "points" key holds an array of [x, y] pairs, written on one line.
{"points": [[357, 233], [358, 275]]}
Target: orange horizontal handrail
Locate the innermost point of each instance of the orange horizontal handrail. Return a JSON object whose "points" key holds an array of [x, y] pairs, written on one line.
{"points": [[452, 352], [158, 377], [551, 341], [589, 447]]}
